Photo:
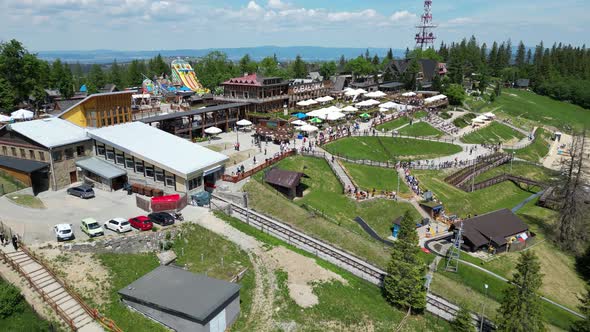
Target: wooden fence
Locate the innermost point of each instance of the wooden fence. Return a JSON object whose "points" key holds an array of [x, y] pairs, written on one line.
{"points": [[269, 162]]}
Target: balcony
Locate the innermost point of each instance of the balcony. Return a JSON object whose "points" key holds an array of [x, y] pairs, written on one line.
{"points": [[251, 100]]}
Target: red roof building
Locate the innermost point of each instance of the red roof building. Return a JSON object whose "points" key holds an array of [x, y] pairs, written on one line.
{"points": [[265, 94]]}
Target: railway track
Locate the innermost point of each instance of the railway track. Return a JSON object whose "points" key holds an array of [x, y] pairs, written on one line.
{"points": [[436, 305]]}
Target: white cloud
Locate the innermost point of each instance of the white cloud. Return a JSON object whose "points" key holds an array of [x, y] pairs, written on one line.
{"points": [[461, 21], [278, 4], [403, 15]]}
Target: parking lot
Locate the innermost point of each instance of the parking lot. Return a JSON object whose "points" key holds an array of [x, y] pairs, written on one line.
{"points": [[37, 225]]}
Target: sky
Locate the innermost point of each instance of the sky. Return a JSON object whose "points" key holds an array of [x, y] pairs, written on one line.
{"points": [[44, 25]]}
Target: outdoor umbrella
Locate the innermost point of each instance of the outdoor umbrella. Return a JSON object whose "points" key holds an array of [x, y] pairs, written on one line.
{"points": [[303, 103], [309, 128], [244, 123], [334, 116], [213, 131], [298, 123], [4, 118], [300, 115], [315, 120], [22, 114], [365, 115], [350, 108]]}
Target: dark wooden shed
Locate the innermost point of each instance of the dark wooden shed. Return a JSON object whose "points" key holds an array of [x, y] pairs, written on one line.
{"points": [[286, 182]]}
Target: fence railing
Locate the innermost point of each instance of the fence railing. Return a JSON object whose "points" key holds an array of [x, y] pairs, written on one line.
{"points": [[269, 162]]}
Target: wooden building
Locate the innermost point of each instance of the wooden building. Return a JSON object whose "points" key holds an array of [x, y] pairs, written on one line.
{"points": [[264, 94], [100, 110], [286, 182], [299, 91]]}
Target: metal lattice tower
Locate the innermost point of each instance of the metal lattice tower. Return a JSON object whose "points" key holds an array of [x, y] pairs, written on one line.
{"points": [[455, 252], [425, 35]]}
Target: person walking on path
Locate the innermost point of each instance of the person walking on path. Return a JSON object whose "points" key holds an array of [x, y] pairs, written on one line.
{"points": [[15, 242], [2, 238]]}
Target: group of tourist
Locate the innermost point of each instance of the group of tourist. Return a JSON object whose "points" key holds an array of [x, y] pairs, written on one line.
{"points": [[360, 195]]}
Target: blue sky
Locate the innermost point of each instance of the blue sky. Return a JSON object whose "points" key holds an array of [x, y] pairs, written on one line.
{"points": [[182, 24]]}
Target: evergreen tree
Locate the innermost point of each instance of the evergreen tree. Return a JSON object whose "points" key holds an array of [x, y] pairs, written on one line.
{"points": [[520, 60], [116, 76], [299, 68], [376, 61], [411, 74], [215, 68], [96, 79], [342, 62], [493, 57], [520, 307], [463, 322], [328, 69], [367, 55], [404, 284], [247, 65], [389, 55], [135, 73], [7, 95], [583, 325], [158, 67], [529, 57], [407, 53], [78, 76]]}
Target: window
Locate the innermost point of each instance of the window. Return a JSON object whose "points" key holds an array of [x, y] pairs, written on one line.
{"points": [[170, 181], [139, 166], [129, 162], [4, 150], [159, 175], [41, 155], [80, 151], [13, 150], [23, 154], [194, 183], [120, 159], [149, 172], [32, 154], [69, 152], [56, 155], [100, 150], [110, 154]]}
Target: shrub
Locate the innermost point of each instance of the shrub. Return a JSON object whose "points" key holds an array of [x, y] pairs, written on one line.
{"points": [[11, 300], [155, 229]]}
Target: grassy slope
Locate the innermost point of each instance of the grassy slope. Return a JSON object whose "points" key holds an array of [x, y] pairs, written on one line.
{"points": [[127, 268], [26, 320], [493, 133], [520, 169], [541, 109], [27, 201], [369, 177], [391, 125], [420, 129], [464, 120], [9, 184], [537, 150], [325, 194], [365, 308], [390, 149]]}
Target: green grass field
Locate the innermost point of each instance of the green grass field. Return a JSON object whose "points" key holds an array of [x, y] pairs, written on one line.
{"points": [[324, 193], [124, 269], [461, 203], [391, 125], [464, 120], [537, 150], [26, 201], [540, 109], [390, 149], [523, 169], [369, 177], [419, 114], [420, 129], [24, 318], [493, 134], [9, 184]]}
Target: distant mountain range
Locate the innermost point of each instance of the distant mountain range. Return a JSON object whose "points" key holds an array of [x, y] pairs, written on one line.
{"points": [[308, 53]]}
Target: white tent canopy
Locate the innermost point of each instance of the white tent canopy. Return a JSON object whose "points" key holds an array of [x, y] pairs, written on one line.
{"points": [[318, 112], [395, 106], [350, 108], [22, 114], [334, 116], [333, 109], [375, 94], [311, 102], [368, 103], [309, 128], [213, 131], [409, 94], [244, 123], [298, 123], [436, 98], [324, 99], [4, 118], [353, 92], [490, 115]]}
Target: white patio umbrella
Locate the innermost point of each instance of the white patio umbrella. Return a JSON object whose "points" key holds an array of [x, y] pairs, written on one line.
{"points": [[244, 123], [361, 91], [318, 113], [324, 99], [334, 116], [333, 109], [350, 108], [213, 131], [409, 94], [299, 123], [375, 94], [22, 114], [309, 128], [4, 118], [303, 103], [311, 102]]}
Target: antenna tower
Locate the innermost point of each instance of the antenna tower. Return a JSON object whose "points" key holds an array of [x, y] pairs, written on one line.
{"points": [[425, 35], [455, 252]]}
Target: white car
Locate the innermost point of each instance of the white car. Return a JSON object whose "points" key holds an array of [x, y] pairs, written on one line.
{"points": [[63, 232], [119, 225]]}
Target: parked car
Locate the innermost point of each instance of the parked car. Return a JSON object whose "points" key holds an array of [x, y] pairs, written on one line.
{"points": [[83, 191], [91, 227], [142, 223], [162, 218], [119, 225], [63, 232]]}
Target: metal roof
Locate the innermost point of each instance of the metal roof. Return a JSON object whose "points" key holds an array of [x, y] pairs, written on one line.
{"points": [[181, 292], [283, 178], [158, 147], [23, 165], [50, 132], [176, 115], [494, 226], [100, 168]]}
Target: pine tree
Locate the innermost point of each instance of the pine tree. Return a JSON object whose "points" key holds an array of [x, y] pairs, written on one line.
{"points": [[520, 56], [96, 79], [115, 75], [583, 325], [520, 308], [389, 56], [367, 55], [299, 68], [463, 322], [404, 284]]}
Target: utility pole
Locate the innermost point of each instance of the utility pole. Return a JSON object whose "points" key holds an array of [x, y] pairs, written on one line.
{"points": [[483, 307]]}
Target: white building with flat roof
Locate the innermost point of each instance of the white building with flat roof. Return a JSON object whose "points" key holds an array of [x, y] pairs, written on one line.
{"points": [[156, 158]]}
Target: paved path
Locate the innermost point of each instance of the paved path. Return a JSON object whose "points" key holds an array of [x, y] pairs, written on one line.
{"points": [[338, 170]]}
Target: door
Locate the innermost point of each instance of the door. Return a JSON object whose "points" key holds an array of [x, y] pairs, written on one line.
{"points": [[73, 177]]}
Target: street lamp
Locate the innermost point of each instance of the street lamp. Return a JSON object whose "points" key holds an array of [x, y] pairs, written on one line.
{"points": [[483, 307]]}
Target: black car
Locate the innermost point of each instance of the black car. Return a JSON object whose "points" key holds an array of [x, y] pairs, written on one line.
{"points": [[162, 218], [83, 191]]}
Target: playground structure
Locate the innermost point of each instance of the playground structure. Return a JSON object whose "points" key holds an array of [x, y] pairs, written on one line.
{"points": [[183, 75]]}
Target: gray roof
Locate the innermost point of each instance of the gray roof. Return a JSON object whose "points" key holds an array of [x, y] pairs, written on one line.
{"points": [[181, 292], [100, 168], [67, 103], [176, 115], [50, 132], [158, 147], [23, 165], [494, 226]]}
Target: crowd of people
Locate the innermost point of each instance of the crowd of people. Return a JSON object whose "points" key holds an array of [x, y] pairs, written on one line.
{"points": [[360, 194]]}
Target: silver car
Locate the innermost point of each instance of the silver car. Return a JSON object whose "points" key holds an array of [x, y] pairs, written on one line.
{"points": [[83, 191]]}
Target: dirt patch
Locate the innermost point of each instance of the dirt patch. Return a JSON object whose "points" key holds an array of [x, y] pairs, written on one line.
{"points": [[80, 270], [303, 272]]}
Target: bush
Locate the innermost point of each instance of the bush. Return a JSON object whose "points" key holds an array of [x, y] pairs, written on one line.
{"points": [[168, 245], [168, 235], [155, 229], [11, 300]]}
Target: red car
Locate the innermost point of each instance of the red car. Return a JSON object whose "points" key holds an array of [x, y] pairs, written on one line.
{"points": [[142, 223]]}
